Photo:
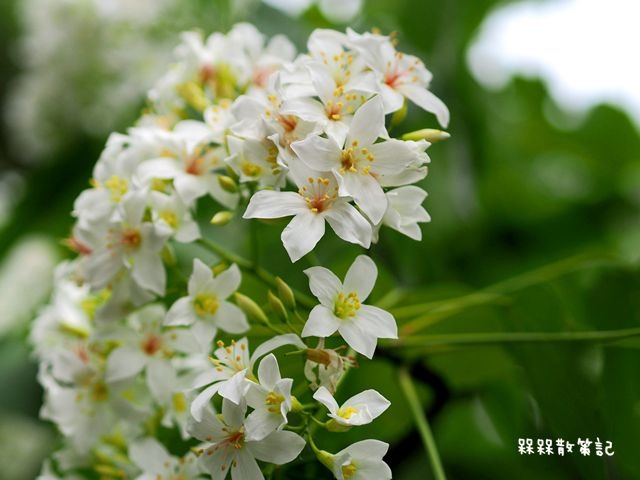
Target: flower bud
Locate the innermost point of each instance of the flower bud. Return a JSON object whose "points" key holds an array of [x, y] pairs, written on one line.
{"points": [[251, 308], [429, 134], [228, 184], [222, 218], [286, 294], [218, 268], [276, 306]]}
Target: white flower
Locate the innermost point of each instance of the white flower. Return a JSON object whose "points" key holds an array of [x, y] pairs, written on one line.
{"points": [[270, 399], [362, 461], [133, 244], [317, 201], [187, 157], [341, 307], [400, 75], [360, 409], [228, 445], [256, 160], [405, 211], [231, 366], [359, 164], [157, 464], [207, 300], [147, 346], [172, 212]]}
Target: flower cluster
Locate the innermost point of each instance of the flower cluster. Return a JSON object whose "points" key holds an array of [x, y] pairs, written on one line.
{"points": [[125, 347]]}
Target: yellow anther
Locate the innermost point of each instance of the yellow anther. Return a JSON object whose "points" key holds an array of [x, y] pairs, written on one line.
{"points": [[206, 304], [347, 412], [118, 186], [346, 306], [170, 218], [348, 471]]}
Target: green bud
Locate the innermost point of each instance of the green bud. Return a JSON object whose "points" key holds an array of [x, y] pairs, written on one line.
{"points": [[218, 268], [429, 134], [222, 218], [286, 294], [276, 306], [399, 116], [228, 184], [168, 255], [251, 308]]}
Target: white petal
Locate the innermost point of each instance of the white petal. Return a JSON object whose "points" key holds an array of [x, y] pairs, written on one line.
{"points": [[348, 224], [269, 372], [148, 272], [190, 187], [367, 449], [245, 467], [361, 277], [149, 455], [201, 275], [375, 402], [276, 342], [391, 157], [124, 362], [378, 321], [161, 379], [270, 204], [366, 192], [234, 388], [233, 413], [324, 397], [321, 322], [279, 447], [231, 319], [427, 101], [227, 282], [302, 234], [261, 423], [361, 340], [181, 312], [201, 402], [322, 80], [321, 154], [206, 428], [323, 284], [368, 123]]}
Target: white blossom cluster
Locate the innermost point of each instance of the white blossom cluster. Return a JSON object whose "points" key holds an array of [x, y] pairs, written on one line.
{"points": [[126, 361]]}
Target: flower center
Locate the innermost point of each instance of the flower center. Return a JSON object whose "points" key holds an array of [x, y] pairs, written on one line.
{"points": [[195, 165], [131, 238], [348, 471], [273, 401], [316, 196], [152, 344], [117, 186], [170, 218], [250, 169], [206, 304], [347, 412], [346, 306], [353, 156], [236, 439]]}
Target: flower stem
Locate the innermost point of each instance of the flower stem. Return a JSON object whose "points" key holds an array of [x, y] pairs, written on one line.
{"points": [[432, 312], [600, 336], [422, 424], [252, 269]]}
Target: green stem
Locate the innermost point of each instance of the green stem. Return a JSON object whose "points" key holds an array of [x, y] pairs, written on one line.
{"points": [[252, 269], [601, 336], [433, 312], [422, 424]]}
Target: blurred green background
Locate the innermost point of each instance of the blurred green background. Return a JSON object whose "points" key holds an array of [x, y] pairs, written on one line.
{"points": [[535, 229]]}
